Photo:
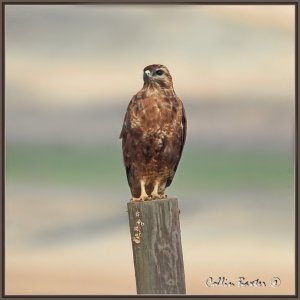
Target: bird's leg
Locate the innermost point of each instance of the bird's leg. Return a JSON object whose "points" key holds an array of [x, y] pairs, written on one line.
{"points": [[143, 196], [161, 191], [154, 194]]}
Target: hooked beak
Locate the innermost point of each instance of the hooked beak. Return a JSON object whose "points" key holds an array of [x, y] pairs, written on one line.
{"points": [[147, 75]]}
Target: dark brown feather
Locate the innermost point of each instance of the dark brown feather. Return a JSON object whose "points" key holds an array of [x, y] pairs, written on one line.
{"points": [[170, 179]]}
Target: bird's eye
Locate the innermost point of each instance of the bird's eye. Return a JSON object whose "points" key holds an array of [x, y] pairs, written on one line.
{"points": [[159, 72]]}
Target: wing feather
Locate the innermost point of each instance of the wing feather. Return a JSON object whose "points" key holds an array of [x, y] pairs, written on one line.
{"points": [[184, 127], [124, 135]]}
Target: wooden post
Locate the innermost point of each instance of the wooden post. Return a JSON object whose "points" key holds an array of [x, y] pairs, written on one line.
{"points": [[156, 244]]}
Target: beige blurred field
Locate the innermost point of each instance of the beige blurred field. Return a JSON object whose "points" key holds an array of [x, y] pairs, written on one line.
{"points": [[70, 73], [215, 243]]}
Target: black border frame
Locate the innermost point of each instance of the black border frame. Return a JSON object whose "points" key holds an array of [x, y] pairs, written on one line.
{"points": [[141, 2]]}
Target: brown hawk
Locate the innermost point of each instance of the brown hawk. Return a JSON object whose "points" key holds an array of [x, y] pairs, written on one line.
{"points": [[153, 135]]}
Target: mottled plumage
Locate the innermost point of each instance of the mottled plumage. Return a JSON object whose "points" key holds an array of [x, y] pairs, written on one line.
{"points": [[153, 135]]}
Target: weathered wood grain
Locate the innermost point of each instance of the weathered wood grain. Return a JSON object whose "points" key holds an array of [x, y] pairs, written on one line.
{"points": [[156, 243]]}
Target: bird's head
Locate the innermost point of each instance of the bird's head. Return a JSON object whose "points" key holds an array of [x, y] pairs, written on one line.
{"points": [[157, 74]]}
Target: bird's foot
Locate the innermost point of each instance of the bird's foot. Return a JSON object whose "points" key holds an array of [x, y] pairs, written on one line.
{"points": [[155, 196], [133, 199], [158, 196], [143, 197]]}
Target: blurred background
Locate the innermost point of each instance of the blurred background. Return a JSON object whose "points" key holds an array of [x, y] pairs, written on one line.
{"points": [[70, 73]]}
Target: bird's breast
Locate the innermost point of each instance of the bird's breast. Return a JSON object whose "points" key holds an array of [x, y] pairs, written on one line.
{"points": [[154, 110], [155, 119]]}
